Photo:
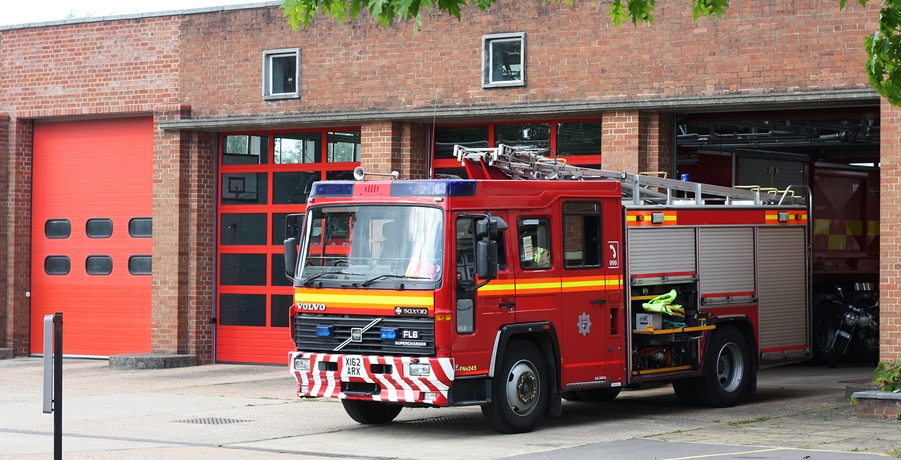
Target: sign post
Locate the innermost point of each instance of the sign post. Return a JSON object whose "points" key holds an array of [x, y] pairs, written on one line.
{"points": [[53, 378]]}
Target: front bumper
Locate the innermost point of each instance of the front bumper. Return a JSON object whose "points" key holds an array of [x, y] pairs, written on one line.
{"points": [[373, 378]]}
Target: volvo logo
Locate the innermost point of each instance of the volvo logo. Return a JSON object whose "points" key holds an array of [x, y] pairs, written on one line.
{"points": [[311, 306]]}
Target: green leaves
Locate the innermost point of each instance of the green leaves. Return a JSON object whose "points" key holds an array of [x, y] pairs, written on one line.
{"points": [[884, 53], [888, 376]]}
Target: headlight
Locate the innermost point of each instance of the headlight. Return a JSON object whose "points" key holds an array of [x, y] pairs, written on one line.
{"points": [[851, 318], [420, 369], [301, 364]]}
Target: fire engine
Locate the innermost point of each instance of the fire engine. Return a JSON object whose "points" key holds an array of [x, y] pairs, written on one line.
{"points": [[516, 294]]}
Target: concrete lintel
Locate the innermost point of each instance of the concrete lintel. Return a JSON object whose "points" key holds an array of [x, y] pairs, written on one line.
{"points": [[151, 361]]}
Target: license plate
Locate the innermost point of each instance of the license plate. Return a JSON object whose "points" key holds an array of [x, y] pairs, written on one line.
{"points": [[353, 366]]}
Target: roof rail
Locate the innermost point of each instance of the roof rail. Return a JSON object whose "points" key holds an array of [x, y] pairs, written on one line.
{"points": [[531, 163]]}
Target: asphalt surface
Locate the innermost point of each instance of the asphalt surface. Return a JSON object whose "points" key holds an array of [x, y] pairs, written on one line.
{"points": [[251, 412]]}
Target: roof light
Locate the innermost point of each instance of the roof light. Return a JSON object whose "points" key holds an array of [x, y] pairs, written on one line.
{"points": [[433, 188], [336, 188]]}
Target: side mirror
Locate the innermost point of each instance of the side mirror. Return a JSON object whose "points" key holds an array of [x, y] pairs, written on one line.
{"points": [[293, 232], [290, 258], [486, 259]]}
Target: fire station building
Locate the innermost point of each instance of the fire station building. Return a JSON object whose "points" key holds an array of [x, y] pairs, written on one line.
{"points": [[150, 160]]}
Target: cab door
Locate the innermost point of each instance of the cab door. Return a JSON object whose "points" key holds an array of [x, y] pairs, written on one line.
{"points": [[591, 338], [479, 313]]}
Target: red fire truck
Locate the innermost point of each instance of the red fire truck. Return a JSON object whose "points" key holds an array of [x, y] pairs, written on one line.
{"points": [[514, 295]]}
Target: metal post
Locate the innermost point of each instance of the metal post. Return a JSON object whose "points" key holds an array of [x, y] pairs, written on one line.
{"points": [[58, 386]]}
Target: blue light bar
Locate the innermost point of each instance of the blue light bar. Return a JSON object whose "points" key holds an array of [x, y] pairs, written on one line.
{"points": [[324, 331], [336, 188], [389, 333], [433, 188]]}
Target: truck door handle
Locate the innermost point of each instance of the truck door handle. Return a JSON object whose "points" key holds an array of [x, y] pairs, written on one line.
{"points": [[507, 305], [599, 301]]}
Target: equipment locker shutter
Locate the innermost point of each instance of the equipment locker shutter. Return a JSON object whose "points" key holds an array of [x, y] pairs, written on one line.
{"points": [[783, 287], [663, 251], [91, 178], [726, 263]]}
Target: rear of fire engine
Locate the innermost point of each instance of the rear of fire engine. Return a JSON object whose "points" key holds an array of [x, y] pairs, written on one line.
{"points": [[514, 295]]}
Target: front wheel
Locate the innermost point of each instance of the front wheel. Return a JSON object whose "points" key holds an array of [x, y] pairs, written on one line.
{"points": [[371, 412], [826, 319], [841, 342], [727, 369], [519, 390]]}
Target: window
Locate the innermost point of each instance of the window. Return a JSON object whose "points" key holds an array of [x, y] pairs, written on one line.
{"points": [[281, 74], [582, 234], [245, 150], [140, 265], [57, 265], [534, 244], [503, 60], [98, 228], [140, 227], [57, 228], [98, 265]]}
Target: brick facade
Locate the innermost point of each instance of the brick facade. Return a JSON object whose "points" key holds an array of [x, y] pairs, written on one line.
{"points": [[890, 236], [206, 68]]}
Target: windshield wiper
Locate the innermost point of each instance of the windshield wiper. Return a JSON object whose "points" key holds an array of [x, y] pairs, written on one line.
{"points": [[306, 282], [388, 275]]}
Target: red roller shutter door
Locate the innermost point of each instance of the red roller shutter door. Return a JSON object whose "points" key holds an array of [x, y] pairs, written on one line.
{"points": [[94, 176]]}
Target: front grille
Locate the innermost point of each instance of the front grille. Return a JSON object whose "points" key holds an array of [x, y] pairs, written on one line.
{"points": [[423, 344]]}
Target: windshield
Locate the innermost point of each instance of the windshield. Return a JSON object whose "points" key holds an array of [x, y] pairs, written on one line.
{"points": [[361, 246]]}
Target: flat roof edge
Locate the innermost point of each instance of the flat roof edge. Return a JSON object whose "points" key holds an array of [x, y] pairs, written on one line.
{"points": [[725, 103], [121, 17]]}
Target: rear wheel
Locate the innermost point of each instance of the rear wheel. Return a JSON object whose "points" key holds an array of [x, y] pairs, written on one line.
{"points": [[520, 389], [371, 412], [686, 391], [727, 369], [826, 319]]}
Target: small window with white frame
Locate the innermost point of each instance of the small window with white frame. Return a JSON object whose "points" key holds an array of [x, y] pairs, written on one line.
{"points": [[504, 60], [281, 74]]}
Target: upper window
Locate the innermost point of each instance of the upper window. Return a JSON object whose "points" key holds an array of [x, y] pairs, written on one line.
{"points": [[503, 60], [281, 74], [535, 243]]}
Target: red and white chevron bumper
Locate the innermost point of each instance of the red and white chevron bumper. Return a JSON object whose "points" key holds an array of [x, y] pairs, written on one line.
{"points": [[401, 379]]}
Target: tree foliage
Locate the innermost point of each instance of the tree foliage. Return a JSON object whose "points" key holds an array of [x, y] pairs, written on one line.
{"points": [[883, 46]]}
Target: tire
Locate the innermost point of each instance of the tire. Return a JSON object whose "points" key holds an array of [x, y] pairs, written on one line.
{"points": [[727, 369], [840, 344], [595, 395], [519, 390], [826, 319], [371, 412], [687, 392]]}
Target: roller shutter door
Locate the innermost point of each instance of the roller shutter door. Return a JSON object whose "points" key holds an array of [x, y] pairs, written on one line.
{"points": [[783, 289], [91, 208]]}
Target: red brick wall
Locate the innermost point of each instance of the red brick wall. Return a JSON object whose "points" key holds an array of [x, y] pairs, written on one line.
{"points": [[17, 247], [573, 54], [183, 239], [620, 136], [5, 315], [890, 235], [94, 68]]}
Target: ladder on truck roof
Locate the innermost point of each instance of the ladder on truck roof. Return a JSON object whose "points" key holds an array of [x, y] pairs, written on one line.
{"points": [[530, 163]]}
